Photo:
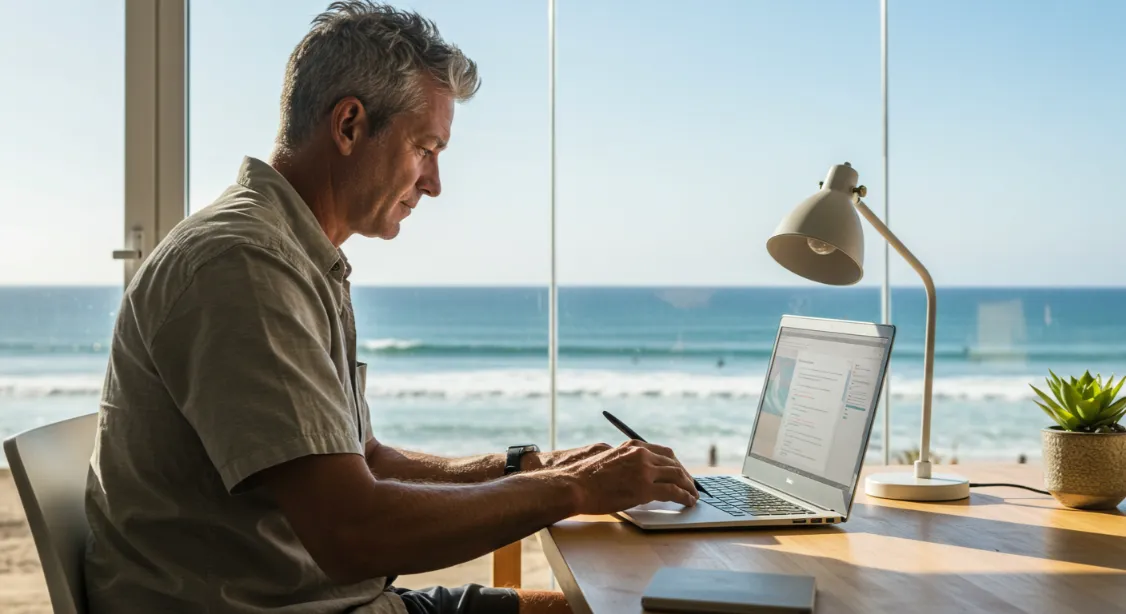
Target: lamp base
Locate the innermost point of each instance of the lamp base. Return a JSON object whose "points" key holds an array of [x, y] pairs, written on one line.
{"points": [[906, 487]]}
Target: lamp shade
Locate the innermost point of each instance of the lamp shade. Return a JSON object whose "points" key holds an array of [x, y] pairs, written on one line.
{"points": [[822, 239]]}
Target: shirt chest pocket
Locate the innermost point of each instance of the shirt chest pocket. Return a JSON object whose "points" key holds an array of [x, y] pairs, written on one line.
{"points": [[359, 398]]}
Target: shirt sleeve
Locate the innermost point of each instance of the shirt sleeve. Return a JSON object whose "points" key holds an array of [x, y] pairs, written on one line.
{"points": [[246, 354]]}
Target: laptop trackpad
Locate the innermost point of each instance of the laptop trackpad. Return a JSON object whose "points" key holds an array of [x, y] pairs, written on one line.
{"points": [[661, 507]]}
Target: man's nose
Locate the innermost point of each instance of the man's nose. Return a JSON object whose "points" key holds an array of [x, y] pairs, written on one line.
{"points": [[430, 183]]}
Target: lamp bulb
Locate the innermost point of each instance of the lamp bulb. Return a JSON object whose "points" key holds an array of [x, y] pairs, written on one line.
{"points": [[820, 248]]}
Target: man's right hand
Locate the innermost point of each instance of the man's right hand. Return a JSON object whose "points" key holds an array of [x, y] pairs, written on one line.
{"points": [[631, 474]]}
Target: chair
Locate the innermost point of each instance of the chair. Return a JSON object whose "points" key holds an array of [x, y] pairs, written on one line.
{"points": [[49, 465]]}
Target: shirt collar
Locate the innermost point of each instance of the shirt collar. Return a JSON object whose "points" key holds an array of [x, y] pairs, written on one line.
{"points": [[259, 176]]}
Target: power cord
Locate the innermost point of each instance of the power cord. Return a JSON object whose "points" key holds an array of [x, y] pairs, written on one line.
{"points": [[1036, 490]]}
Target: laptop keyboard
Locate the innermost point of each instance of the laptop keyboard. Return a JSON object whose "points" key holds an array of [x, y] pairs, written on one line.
{"points": [[741, 499]]}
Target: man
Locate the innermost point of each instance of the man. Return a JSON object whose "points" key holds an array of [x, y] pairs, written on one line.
{"points": [[235, 468]]}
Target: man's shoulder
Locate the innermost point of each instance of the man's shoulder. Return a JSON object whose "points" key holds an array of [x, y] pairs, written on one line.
{"points": [[240, 217], [240, 220]]}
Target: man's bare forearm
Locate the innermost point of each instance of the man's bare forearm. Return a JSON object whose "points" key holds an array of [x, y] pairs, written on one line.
{"points": [[402, 528], [392, 463], [358, 526]]}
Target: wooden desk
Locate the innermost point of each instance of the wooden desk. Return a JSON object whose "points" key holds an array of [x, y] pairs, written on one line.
{"points": [[1001, 550]]}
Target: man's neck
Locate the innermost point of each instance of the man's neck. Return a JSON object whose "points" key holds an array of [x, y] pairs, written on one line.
{"points": [[312, 179]]}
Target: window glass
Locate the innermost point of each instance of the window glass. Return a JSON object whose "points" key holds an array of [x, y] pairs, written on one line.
{"points": [[685, 135], [62, 203], [1006, 142]]}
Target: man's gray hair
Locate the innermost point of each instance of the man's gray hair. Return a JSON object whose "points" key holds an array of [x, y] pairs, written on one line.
{"points": [[372, 51]]}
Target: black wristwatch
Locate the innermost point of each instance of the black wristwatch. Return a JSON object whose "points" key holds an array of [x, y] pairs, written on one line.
{"points": [[515, 453]]}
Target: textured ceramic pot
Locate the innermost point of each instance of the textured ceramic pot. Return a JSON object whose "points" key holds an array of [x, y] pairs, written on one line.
{"points": [[1085, 470]]}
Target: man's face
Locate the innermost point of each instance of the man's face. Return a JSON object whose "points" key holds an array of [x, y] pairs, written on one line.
{"points": [[391, 171]]}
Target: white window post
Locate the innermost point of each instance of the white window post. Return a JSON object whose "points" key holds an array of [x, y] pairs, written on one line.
{"points": [[155, 125]]}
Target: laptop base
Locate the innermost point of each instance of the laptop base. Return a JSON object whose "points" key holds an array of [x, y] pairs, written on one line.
{"points": [[671, 516]]}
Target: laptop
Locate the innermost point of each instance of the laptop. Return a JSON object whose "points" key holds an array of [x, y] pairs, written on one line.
{"points": [[809, 437]]}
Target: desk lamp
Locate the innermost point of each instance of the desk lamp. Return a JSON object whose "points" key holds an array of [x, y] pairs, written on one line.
{"points": [[822, 240]]}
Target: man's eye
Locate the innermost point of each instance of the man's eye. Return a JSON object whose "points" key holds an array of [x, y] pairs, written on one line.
{"points": [[426, 152]]}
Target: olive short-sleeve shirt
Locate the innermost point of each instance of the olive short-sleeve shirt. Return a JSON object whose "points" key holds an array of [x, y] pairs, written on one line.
{"points": [[234, 350]]}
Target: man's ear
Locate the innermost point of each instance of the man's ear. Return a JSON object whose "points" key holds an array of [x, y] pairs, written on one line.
{"points": [[349, 121]]}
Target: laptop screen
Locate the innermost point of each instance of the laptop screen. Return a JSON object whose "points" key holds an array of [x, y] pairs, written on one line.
{"points": [[820, 393]]}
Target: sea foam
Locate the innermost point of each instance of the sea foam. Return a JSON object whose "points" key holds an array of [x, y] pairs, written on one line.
{"points": [[586, 383]]}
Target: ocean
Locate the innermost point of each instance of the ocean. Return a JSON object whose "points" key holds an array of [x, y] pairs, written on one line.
{"points": [[463, 370]]}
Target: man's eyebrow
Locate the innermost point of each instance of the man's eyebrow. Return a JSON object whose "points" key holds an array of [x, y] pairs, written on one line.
{"points": [[439, 142]]}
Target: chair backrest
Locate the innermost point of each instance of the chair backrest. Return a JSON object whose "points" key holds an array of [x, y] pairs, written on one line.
{"points": [[49, 465]]}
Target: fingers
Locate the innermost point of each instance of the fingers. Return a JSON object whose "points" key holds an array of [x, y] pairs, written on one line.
{"points": [[677, 476], [652, 447], [655, 448], [662, 450], [674, 493], [663, 461]]}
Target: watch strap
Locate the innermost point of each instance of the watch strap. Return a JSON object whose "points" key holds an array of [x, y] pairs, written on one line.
{"points": [[515, 453]]}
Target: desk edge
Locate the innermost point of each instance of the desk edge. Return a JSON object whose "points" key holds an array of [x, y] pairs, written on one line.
{"points": [[567, 582]]}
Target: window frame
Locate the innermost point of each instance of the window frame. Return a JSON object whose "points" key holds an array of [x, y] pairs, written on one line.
{"points": [[156, 129]]}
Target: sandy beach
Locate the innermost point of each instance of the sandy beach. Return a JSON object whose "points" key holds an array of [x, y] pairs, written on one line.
{"points": [[23, 590]]}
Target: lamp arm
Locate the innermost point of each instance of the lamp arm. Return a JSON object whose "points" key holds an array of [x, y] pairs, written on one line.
{"points": [[923, 465]]}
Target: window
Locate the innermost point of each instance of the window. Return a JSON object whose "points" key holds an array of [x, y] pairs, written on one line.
{"points": [[61, 199], [684, 138], [1006, 140], [684, 133]]}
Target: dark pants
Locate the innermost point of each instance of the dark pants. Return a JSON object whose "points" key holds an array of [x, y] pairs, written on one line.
{"points": [[468, 599]]}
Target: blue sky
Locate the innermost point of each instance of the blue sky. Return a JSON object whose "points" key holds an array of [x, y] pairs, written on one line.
{"points": [[685, 132]]}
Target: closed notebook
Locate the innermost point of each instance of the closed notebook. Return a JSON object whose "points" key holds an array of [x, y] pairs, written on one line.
{"points": [[679, 589]]}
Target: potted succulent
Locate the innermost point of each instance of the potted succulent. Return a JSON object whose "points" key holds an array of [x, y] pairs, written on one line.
{"points": [[1085, 453]]}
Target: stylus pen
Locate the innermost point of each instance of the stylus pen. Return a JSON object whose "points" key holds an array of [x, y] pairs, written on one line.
{"points": [[633, 435]]}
